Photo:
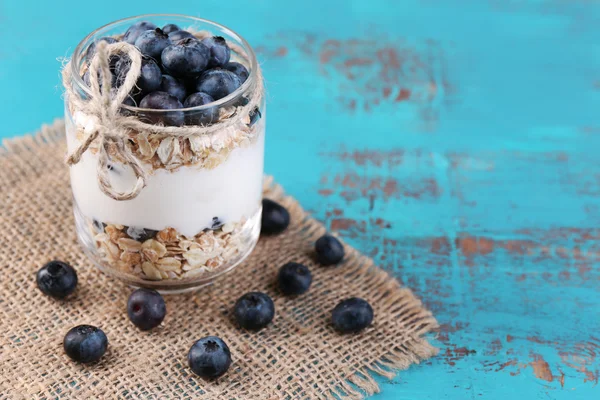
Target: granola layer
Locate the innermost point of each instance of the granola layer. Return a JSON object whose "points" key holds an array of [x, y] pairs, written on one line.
{"points": [[167, 152], [167, 254]]}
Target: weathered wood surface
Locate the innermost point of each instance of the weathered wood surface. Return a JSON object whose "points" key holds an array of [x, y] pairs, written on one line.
{"points": [[455, 142]]}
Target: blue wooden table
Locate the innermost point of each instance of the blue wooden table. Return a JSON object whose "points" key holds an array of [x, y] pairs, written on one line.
{"points": [[456, 142]]}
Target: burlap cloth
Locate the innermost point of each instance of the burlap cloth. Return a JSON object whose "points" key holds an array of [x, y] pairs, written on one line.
{"points": [[297, 356]]}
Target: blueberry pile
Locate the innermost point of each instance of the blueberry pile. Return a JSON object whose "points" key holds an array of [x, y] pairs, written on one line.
{"points": [[209, 357], [178, 71]]}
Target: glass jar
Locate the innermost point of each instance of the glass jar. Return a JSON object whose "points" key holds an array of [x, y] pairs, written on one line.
{"points": [[198, 215]]}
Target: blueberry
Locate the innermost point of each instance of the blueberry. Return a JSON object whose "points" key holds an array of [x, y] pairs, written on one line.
{"points": [[57, 279], [216, 223], [240, 70], [209, 357], [152, 43], [186, 58], [173, 86], [218, 83], [150, 75], [254, 311], [130, 101], [140, 234], [329, 250], [242, 101], [275, 218], [294, 278], [219, 51], [98, 226], [352, 315], [162, 101], [86, 76], [85, 343], [169, 28], [146, 308], [200, 117], [136, 30], [176, 36], [255, 115], [91, 51]]}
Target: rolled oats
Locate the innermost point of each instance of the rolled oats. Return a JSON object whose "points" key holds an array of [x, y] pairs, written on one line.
{"points": [[167, 235], [131, 259], [115, 233], [150, 271], [169, 264], [154, 246], [129, 245], [228, 227], [196, 257], [167, 152], [169, 255], [144, 147]]}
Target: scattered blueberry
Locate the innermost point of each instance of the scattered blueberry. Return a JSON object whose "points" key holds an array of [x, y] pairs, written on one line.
{"points": [[240, 70], [209, 357], [152, 43], [329, 250], [294, 278], [136, 30], [255, 115], [216, 223], [352, 315], [85, 343], [150, 75], [146, 308], [91, 51], [219, 51], [162, 101], [185, 58], [218, 83], [140, 234], [200, 117], [275, 218], [169, 28], [173, 86], [254, 311], [176, 36], [57, 279]]}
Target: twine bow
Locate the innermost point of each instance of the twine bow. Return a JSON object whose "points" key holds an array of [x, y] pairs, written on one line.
{"points": [[105, 107]]}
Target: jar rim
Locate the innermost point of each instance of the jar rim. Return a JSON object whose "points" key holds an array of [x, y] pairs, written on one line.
{"points": [[78, 52]]}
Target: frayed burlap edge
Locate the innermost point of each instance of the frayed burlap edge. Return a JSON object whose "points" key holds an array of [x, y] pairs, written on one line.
{"points": [[400, 302]]}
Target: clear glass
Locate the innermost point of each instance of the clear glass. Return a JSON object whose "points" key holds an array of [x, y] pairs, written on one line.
{"points": [[199, 215]]}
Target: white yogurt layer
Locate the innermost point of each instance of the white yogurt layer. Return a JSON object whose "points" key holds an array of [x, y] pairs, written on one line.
{"points": [[187, 199]]}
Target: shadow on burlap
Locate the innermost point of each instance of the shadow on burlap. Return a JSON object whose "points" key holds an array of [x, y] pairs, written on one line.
{"points": [[297, 356]]}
